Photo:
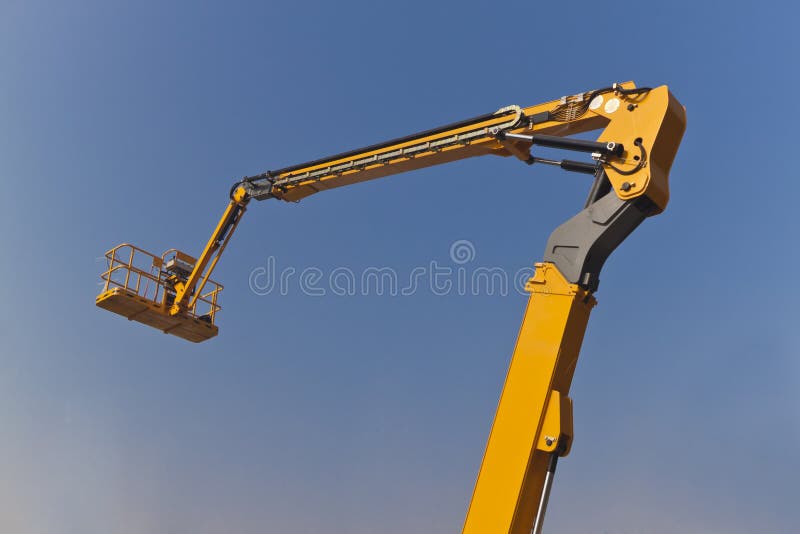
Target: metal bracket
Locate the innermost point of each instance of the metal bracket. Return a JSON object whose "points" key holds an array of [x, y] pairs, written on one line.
{"points": [[255, 187], [581, 245]]}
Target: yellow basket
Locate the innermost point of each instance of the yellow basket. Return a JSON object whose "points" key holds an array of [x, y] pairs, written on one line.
{"points": [[136, 286]]}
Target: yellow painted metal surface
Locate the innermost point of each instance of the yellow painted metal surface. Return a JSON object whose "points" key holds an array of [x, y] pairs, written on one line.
{"points": [[505, 499], [659, 120], [136, 286], [654, 116], [534, 415], [557, 425], [189, 290], [145, 311]]}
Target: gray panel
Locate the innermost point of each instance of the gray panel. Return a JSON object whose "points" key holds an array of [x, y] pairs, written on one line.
{"points": [[581, 246]]}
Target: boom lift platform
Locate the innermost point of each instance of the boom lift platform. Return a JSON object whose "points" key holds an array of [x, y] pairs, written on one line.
{"points": [[630, 163], [141, 286]]}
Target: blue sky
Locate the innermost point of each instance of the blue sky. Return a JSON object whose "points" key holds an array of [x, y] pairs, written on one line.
{"points": [[129, 121]]}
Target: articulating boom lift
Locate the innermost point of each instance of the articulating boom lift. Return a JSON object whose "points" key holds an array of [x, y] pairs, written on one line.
{"points": [[641, 131]]}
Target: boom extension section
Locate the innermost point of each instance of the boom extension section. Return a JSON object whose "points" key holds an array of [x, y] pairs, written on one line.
{"points": [[631, 159], [641, 134]]}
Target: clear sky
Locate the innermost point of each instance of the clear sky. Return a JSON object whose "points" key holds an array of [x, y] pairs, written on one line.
{"points": [[369, 413]]}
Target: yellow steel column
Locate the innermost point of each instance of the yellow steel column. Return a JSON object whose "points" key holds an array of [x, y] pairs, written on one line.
{"points": [[511, 478]]}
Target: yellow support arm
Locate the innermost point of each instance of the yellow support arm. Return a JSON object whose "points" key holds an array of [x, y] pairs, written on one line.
{"points": [[187, 292], [534, 417], [641, 137], [626, 113]]}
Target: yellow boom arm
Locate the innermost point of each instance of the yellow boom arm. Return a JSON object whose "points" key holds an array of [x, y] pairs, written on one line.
{"points": [[641, 131], [652, 115]]}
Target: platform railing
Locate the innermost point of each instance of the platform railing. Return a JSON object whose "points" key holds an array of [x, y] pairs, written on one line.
{"points": [[141, 273]]}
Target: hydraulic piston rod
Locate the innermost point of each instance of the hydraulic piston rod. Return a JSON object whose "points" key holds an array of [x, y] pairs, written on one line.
{"points": [[545, 498], [609, 148]]}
